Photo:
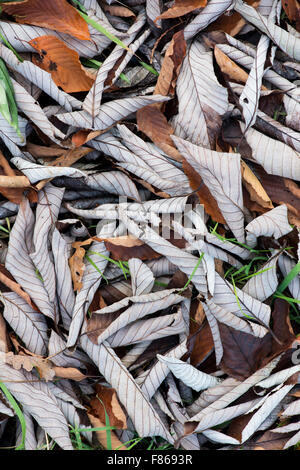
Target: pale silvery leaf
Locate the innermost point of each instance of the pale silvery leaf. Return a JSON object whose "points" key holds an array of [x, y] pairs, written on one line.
{"points": [[202, 104], [237, 391], [210, 395], [72, 416], [145, 155], [233, 249], [134, 353], [288, 43], [110, 113], [64, 287], [221, 172], [209, 14], [189, 375], [113, 182], [263, 412], [214, 328], [151, 379], [279, 377], [214, 252], [221, 416], [93, 99], [38, 76], [245, 56], [249, 98], [29, 106], [139, 212], [94, 268], [186, 262], [19, 35], [148, 330], [161, 266], [36, 172], [40, 405], [27, 323], [225, 295], [153, 10], [282, 133], [142, 278], [11, 134], [49, 202], [19, 263], [292, 409], [145, 419], [261, 286], [219, 437], [229, 319], [274, 156], [273, 223], [141, 160], [134, 46], [142, 305]]}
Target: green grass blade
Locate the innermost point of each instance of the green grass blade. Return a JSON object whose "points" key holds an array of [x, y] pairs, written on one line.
{"points": [[114, 39], [96, 267], [289, 277], [193, 273], [96, 64], [18, 412], [10, 47]]}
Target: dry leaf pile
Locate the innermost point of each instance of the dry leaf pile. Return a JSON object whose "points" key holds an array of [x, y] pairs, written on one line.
{"points": [[149, 216]]}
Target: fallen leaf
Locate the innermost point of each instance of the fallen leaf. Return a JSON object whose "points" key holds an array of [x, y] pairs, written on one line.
{"points": [[62, 62], [106, 400], [181, 7], [116, 444], [58, 15]]}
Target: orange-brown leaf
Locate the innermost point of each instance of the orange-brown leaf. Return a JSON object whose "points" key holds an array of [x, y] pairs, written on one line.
{"points": [[233, 23], [154, 124], [58, 15], [110, 404], [62, 62], [182, 7], [204, 194], [171, 66]]}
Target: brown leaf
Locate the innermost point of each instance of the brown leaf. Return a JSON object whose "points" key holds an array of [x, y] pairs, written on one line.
{"points": [[205, 197], [76, 263], [243, 353], [154, 124], [12, 185], [98, 323], [151, 119], [171, 66], [280, 190], [292, 9], [118, 10], [269, 441], [201, 345], [110, 404], [69, 373], [116, 444], [83, 136], [3, 335], [181, 7], [231, 23], [7, 279], [18, 361], [255, 189], [62, 62], [58, 15]]}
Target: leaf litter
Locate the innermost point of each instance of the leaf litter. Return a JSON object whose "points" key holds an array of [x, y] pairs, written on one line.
{"points": [[149, 224]]}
